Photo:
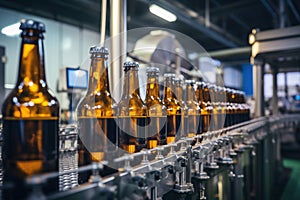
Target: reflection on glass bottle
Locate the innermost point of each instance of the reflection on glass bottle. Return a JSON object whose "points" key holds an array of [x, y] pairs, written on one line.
{"points": [[96, 114], [193, 110], [206, 109], [173, 109], [132, 112], [220, 104], [157, 113], [229, 109], [30, 118], [179, 85]]}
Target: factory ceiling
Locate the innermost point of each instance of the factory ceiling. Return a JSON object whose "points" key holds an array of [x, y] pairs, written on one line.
{"points": [[215, 24]]}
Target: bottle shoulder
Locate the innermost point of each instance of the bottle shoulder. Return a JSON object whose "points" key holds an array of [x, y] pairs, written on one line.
{"points": [[96, 105], [132, 105], [22, 102]]}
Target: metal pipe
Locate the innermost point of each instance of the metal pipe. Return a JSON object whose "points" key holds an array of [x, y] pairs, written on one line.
{"points": [[258, 90], [275, 92], [207, 17], [118, 28], [282, 14], [286, 86]]}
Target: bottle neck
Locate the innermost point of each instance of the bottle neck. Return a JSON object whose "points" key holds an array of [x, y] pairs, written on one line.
{"points": [[190, 93], [179, 92], [152, 87], [31, 65], [131, 84], [98, 81], [206, 95], [168, 91]]}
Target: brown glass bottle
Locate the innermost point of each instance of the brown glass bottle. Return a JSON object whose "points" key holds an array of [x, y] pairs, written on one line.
{"points": [[229, 109], [193, 110], [220, 103], [132, 112], [178, 91], [30, 118], [96, 114], [235, 107], [157, 112], [174, 116], [246, 107], [207, 109], [215, 108]]}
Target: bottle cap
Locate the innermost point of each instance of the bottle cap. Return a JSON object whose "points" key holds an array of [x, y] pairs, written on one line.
{"points": [[101, 52], [152, 70], [32, 24], [169, 75], [190, 82], [130, 64]]}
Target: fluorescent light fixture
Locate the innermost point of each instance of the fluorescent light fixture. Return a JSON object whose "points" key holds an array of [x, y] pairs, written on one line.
{"points": [[11, 30], [162, 13]]}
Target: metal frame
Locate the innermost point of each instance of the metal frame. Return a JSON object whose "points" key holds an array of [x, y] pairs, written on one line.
{"points": [[280, 48]]}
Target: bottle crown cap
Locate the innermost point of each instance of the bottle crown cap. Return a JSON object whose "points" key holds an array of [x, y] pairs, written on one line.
{"points": [[32, 24], [130, 64], [190, 81], [169, 75], [99, 50], [152, 70]]}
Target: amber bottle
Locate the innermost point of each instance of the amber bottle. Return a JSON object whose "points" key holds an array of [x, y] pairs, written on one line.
{"points": [[193, 110], [207, 109], [229, 109], [157, 112], [96, 114], [174, 116], [132, 112], [179, 95], [221, 106], [30, 118]]}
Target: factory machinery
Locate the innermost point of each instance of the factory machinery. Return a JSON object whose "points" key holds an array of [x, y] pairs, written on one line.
{"points": [[242, 161]]}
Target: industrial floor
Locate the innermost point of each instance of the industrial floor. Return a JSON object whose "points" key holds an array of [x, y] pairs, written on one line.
{"points": [[292, 188], [291, 161]]}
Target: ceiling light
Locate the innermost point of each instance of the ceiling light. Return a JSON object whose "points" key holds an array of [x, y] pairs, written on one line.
{"points": [[162, 13], [11, 30]]}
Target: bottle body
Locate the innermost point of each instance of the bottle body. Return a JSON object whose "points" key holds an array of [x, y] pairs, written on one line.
{"points": [[174, 112], [156, 110], [96, 115], [30, 118], [132, 113], [193, 111]]}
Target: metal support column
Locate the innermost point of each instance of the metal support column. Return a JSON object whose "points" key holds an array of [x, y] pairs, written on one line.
{"points": [[118, 35], [286, 86], [275, 91], [258, 82]]}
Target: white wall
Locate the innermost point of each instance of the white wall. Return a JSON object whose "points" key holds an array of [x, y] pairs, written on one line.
{"points": [[65, 45]]}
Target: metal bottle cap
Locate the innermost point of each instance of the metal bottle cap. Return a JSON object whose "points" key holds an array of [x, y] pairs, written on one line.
{"points": [[152, 70], [101, 52], [32, 24], [130, 64]]}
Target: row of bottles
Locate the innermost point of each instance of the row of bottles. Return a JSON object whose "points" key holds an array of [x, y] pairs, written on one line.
{"points": [[31, 114]]}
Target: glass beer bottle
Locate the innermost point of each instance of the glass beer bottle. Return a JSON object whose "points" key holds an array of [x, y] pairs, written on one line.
{"points": [[205, 112], [157, 112], [132, 112], [193, 110], [174, 116], [220, 103], [208, 107], [179, 85], [30, 118], [96, 114]]}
